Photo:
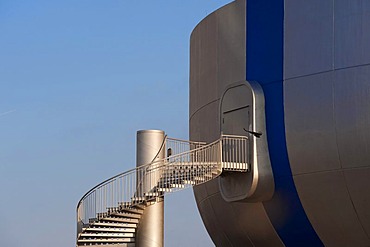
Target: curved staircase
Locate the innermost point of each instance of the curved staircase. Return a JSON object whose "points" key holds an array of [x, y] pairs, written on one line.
{"points": [[109, 214]]}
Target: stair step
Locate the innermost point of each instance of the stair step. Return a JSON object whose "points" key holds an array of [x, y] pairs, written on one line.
{"points": [[189, 182], [152, 194], [119, 214], [139, 206], [120, 220], [108, 235], [131, 210], [111, 245], [118, 240], [110, 224], [104, 229], [177, 186], [136, 200], [92, 220], [199, 178], [125, 204], [113, 209], [208, 176], [126, 215], [164, 189]]}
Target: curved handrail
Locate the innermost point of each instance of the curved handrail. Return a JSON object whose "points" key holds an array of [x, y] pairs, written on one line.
{"points": [[102, 183], [187, 166], [139, 167], [128, 173]]}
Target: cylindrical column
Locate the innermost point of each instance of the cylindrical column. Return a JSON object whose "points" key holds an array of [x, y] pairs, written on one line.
{"points": [[150, 149]]}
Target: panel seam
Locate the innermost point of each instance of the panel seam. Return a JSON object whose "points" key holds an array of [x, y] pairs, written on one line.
{"points": [[332, 170], [199, 109], [353, 205], [327, 71]]}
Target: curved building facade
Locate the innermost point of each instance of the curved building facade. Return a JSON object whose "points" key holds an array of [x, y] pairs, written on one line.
{"points": [[294, 76]]}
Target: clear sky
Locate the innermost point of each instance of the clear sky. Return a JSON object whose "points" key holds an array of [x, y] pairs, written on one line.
{"points": [[77, 80]]}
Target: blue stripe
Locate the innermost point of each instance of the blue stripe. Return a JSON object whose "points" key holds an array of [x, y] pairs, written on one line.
{"points": [[265, 65]]}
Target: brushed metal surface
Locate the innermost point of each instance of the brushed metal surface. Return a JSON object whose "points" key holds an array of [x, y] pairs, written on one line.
{"points": [[202, 191], [150, 231], [205, 77], [206, 116], [261, 232], [352, 36], [217, 54], [328, 205], [212, 187], [326, 105], [148, 146], [310, 123], [242, 107], [327, 115], [231, 47], [230, 221], [237, 229], [358, 187], [210, 220], [203, 64], [308, 37], [352, 116]]}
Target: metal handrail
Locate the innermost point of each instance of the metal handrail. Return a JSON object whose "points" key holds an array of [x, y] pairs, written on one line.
{"points": [[177, 146], [138, 167], [191, 163]]}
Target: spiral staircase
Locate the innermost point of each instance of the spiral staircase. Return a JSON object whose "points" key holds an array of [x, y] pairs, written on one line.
{"points": [[110, 213]]}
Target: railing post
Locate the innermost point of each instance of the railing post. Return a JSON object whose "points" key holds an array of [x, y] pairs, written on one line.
{"points": [[150, 148], [221, 154]]}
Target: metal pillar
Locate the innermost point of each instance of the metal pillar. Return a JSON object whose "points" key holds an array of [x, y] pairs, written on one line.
{"points": [[150, 147]]}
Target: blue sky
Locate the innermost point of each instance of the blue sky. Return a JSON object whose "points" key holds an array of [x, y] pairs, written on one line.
{"points": [[77, 80]]}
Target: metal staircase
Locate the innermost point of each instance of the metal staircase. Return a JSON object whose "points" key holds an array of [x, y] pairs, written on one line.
{"points": [[110, 212]]}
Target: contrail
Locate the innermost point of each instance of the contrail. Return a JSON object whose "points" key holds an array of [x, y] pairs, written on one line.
{"points": [[6, 113]]}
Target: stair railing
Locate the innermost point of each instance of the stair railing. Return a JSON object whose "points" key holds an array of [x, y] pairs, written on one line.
{"points": [[235, 153], [189, 164], [153, 171]]}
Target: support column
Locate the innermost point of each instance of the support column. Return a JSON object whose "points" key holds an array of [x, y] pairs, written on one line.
{"points": [[150, 147]]}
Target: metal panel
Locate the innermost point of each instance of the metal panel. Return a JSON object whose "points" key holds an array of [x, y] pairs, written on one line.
{"points": [[309, 123], [231, 44], [230, 222], [358, 187], [200, 191], [329, 207], [352, 36], [212, 224], [237, 223], [207, 116], [352, 116], [237, 227], [308, 37], [217, 54], [150, 231], [203, 64], [261, 232], [221, 218]]}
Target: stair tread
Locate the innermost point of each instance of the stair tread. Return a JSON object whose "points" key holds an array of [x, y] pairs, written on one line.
{"points": [[132, 210], [110, 224], [116, 219], [112, 235], [101, 229], [142, 207], [114, 245], [118, 240], [128, 215]]}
